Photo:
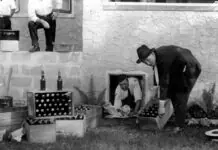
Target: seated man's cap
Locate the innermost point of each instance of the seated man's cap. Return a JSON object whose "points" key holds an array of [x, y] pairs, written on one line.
{"points": [[143, 52]]}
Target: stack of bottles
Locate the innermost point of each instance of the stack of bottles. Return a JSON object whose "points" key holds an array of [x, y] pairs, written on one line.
{"points": [[45, 104]]}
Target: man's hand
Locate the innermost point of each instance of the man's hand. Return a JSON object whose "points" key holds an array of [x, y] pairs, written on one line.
{"points": [[54, 15], [133, 114], [161, 111], [12, 12]]}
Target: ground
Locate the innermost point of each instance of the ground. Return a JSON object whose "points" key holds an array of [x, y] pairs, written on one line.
{"points": [[125, 136]]}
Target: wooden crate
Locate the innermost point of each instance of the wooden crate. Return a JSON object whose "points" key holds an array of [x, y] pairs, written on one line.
{"points": [[75, 128], [44, 133], [12, 118], [94, 116], [9, 40], [157, 122], [47, 104]]}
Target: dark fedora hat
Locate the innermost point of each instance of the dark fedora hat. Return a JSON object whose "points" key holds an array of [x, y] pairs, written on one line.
{"points": [[143, 52]]}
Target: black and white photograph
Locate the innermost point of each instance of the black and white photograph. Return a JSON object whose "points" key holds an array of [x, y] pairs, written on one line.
{"points": [[108, 75]]}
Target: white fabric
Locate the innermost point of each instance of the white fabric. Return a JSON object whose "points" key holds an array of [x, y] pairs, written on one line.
{"points": [[134, 88], [156, 75], [42, 7], [6, 6], [157, 80]]}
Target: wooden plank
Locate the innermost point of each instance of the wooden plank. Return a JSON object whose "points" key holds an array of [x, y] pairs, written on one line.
{"points": [[10, 119], [41, 133], [13, 109], [31, 104], [169, 111]]}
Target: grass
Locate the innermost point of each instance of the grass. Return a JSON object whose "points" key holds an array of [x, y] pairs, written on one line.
{"points": [[124, 136]]}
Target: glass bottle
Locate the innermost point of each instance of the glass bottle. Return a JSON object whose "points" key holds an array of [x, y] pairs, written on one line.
{"points": [[59, 82], [42, 81]]}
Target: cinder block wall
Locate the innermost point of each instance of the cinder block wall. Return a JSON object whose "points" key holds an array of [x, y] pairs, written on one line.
{"points": [[27, 71]]}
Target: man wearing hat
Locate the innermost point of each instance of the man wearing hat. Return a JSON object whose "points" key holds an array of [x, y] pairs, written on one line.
{"points": [[128, 92], [176, 71]]}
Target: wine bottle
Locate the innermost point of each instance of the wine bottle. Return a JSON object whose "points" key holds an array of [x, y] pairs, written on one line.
{"points": [[59, 82], [42, 81]]}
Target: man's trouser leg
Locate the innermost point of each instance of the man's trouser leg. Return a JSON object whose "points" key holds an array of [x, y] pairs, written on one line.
{"points": [[179, 101], [33, 27], [50, 33], [5, 23]]}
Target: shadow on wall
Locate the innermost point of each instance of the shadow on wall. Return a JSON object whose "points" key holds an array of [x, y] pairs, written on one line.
{"points": [[206, 100], [90, 97]]}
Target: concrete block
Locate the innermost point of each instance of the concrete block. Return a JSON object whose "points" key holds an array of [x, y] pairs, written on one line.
{"points": [[44, 57], [33, 70], [74, 71], [21, 81], [68, 83], [45, 133], [20, 57]]}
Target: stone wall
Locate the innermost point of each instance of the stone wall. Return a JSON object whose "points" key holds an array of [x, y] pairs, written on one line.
{"points": [[110, 39], [27, 71]]}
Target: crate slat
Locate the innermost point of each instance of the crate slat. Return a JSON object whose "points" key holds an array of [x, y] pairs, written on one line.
{"points": [[13, 119]]}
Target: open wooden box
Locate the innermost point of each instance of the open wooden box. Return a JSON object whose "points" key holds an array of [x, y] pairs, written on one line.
{"points": [[157, 122], [40, 133], [71, 127], [12, 118], [9, 40]]}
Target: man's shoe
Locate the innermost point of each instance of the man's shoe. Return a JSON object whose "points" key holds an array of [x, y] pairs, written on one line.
{"points": [[34, 49]]}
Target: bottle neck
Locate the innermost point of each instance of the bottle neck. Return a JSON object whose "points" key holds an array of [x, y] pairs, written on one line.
{"points": [[59, 77]]}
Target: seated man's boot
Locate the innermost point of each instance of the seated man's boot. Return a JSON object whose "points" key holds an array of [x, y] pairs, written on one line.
{"points": [[35, 48], [49, 48]]}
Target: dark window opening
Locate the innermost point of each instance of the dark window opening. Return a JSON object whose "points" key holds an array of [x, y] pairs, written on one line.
{"points": [[113, 80]]}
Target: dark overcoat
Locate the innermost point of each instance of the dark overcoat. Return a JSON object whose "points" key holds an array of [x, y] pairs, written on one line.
{"points": [[177, 67]]}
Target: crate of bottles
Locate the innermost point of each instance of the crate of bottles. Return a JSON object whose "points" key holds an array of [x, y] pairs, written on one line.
{"points": [[149, 117], [40, 130], [46, 104], [74, 125], [93, 114]]}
